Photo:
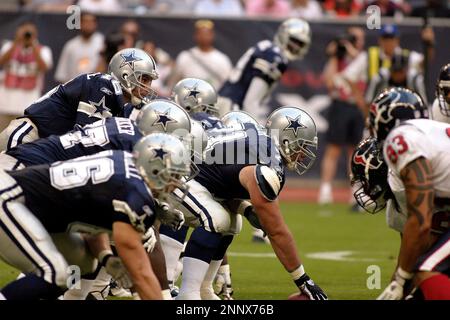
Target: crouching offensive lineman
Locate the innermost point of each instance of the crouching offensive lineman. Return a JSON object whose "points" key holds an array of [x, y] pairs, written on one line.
{"points": [[108, 191]]}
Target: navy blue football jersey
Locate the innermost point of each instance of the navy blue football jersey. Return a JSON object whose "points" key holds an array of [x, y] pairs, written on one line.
{"points": [[107, 134], [130, 111], [208, 121], [226, 155], [82, 100], [264, 60], [88, 194]]}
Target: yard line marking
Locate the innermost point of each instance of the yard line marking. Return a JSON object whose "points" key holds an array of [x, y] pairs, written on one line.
{"points": [[327, 255], [251, 255], [337, 256]]}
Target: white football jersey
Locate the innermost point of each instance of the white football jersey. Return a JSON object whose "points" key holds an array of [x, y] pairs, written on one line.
{"points": [[436, 114], [409, 141], [421, 138]]}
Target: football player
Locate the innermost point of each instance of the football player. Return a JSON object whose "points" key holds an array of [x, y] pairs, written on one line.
{"points": [[106, 191], [85, 99], [440, 109], [108, 134], [416, 153], [261, 67], [247, 164]]}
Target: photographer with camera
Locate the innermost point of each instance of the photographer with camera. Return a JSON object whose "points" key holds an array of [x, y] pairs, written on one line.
{"points": [[24, 62], [345, 118]]}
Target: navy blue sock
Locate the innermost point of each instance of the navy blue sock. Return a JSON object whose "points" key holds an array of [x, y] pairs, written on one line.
{"points": [[179, 235], [202, 244], [223, 247], [31, 287]]}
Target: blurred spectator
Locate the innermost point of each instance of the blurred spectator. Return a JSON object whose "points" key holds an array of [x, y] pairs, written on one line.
{"points": [[219, 8], [113, 43], [432, 8], [100, 6], [80, 54], [269, 8], [160, 6], [345, 118], [398, 75], [307, 9], [390, 8], [342, 8], [131, 31], [165, 65], [10, 5], [25, 62], [202, 61], [47, 5], [127, 37], [368, 63]]}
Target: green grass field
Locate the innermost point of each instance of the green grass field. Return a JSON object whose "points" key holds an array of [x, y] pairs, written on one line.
{"points": [[316, 229]]}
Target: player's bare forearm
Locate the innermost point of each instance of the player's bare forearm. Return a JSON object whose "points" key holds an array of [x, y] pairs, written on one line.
{"points": [[281, 239], [134, 257], [416, 177]]}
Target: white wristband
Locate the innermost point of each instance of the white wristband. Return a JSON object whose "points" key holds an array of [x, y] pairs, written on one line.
{"points": [[297, 273], [404, 274]]}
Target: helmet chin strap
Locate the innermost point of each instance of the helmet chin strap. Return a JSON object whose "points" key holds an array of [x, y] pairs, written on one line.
{"points": [[289, 163]]}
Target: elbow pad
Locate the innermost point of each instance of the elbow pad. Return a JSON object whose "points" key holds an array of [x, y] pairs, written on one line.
{"points": [[268, 182]]}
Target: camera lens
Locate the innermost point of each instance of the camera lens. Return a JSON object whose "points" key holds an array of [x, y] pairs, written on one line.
{"points": [[27, 35]]}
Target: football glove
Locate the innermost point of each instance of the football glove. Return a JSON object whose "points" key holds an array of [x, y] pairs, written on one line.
{"points": [[149, 240], [114, 266], [173, 218], [394, 290], [308, 287]]}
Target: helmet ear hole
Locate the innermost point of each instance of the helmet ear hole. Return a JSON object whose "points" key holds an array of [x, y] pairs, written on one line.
{"points": [[155, 172]]}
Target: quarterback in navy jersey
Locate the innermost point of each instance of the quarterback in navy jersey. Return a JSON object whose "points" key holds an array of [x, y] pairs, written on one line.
{"points": [[262, 66], [85, 99], [110, 190]]}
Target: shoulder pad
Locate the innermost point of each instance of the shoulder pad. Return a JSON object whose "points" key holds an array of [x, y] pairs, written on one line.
{"points": [[268, 182]]}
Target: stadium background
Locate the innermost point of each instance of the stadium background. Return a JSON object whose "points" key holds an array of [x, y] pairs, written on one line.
{"points": [[301, 85], [338, 248]]}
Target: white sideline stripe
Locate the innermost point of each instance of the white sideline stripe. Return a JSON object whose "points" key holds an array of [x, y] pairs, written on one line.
{"points": [[251, 255], [329, 255]]}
